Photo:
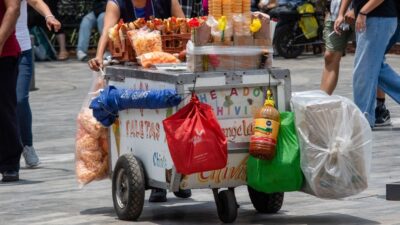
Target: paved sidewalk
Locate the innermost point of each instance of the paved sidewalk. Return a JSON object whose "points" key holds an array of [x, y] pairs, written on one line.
{"points": [[50, 194]]}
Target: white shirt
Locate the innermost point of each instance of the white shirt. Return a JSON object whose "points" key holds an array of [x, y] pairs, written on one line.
{"points": [[22, 31], [335, 7]]}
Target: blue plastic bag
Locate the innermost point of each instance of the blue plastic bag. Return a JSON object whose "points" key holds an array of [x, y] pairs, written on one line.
{"points": [[112, 100]]}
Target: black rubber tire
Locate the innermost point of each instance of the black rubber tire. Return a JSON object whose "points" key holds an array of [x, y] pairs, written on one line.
{"points": [[227, 210], [129, 171], [266, 203], [282, 37]]}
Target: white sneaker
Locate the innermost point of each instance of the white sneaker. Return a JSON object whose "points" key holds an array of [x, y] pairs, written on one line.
{"points": [[31, 158], [81, 55]]}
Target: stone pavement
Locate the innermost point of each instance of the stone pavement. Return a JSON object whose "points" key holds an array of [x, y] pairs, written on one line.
{"points": [[50, 194]]}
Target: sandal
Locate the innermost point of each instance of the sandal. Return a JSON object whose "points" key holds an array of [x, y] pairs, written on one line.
{"points": [[63, 56]]}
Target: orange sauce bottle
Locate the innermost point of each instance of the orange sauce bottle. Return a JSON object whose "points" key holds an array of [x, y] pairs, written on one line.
{"points": [[265, 130]]}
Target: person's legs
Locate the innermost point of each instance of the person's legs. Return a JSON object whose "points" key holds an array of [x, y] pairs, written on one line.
{"points": [[85, 30], [330, 72], [382, 114], [63, 53], [160, 195], [335, 45], [371, 45], [389, 81], [10, 145], [394, 38], [24, 113]]}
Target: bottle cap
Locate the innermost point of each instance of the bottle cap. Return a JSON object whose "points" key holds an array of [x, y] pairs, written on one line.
{"points": [[269, 101]]}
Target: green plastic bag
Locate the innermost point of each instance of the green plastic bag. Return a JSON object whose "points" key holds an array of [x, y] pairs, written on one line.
{"points": [[283, 173]]}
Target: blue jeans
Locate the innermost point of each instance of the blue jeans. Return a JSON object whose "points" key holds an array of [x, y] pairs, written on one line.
{"points": [[395, 38], [24, 113], [370, 69], [85, 29]]}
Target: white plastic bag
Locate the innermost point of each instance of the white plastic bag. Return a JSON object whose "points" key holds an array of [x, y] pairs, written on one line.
{"points": [[335, 143]]}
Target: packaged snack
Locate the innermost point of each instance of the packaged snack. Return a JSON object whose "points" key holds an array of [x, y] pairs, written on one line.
{"points": [[140, 23], [151, 58], [144, 41], [91, 150]]}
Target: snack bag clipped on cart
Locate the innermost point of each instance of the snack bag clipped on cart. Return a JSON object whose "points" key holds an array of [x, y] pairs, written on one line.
{"points": [[91, 145], [195, 139], [335, 144]]}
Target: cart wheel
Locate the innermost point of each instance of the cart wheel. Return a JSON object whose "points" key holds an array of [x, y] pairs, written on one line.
{"points": [[227, 207], [266, 203], [128, 186]]}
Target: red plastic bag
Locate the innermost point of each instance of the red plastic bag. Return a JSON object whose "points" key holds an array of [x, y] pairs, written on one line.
{"points": [[195, 139]]}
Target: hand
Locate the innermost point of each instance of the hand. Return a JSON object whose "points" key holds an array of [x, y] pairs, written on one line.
{"points": [[96, 63], [338, 22], [52, 22], [361, 23], [350, 17]]}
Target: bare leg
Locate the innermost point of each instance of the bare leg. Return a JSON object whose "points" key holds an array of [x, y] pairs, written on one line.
{"points": [[330, 74], [63, 54]]}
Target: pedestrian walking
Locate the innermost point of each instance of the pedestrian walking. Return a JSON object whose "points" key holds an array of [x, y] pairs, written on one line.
{"points": [[24, 112], [335, 45], [382, 114], [376, 23]]}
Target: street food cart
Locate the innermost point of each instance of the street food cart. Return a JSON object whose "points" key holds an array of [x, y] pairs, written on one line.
{"points": [[139, 153]]}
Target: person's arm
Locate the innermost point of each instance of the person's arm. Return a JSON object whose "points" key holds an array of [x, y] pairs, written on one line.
{"points": [[350, 17], [176, 9], [111, 18], [7, 26], [362, 15], [41, 7], [344, 5]]}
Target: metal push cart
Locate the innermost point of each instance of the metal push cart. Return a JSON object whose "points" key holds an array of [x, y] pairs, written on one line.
{"points": [[139, 153]]}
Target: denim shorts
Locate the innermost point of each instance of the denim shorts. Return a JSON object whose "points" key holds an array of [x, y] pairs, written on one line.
{"points": [[336, 42]]}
